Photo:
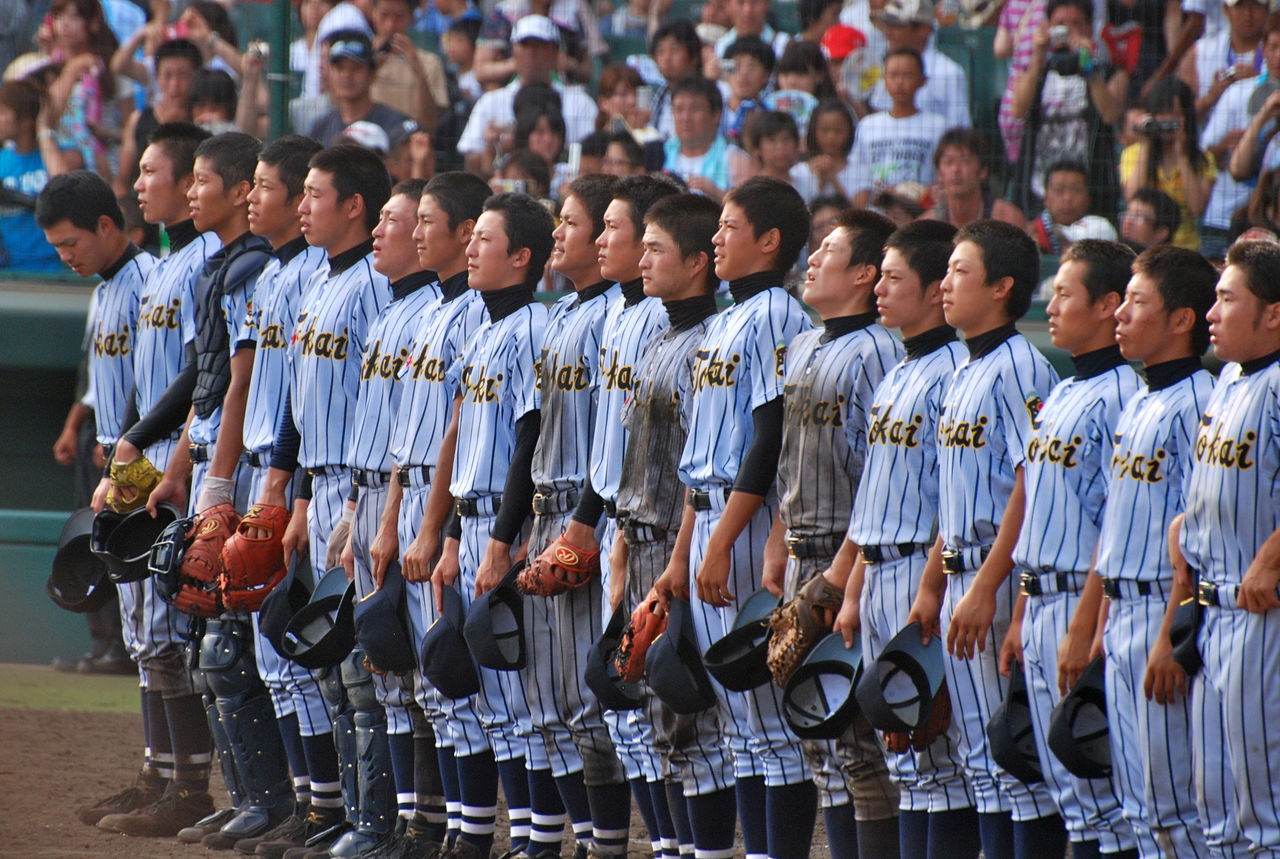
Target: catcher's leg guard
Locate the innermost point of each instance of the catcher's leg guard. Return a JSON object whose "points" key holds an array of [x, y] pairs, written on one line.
{"points": [[374, 796], [344, 735], [226, 761]]}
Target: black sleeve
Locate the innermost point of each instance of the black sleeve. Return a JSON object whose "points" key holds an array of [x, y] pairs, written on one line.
{"points": [[453, 528], [760, 463], [590, 506], [170, 412], [305, 487], [517, 494], [284, 452], [130, 410]]}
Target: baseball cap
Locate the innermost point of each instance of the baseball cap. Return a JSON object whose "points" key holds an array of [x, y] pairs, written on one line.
{"points": [[354, 46], [840, 41], [538, 28], [370, 135], [906, 12]]}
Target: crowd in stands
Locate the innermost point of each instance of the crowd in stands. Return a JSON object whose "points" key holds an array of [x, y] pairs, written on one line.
{"points": [[1134, 119]]}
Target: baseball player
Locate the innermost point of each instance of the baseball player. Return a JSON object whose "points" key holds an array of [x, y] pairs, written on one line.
{"points": [[831, 373], [984, 425], [893, 522], [728, 464], [677, 270], [1162, 324], [1227, 539], [1067, 458], [388, 349], [446, 216], [345, 189], [82, 221], [497, 423]]}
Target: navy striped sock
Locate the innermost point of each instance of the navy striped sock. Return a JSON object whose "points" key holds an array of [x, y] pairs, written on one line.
{"points": [[955, 832], [452, 792], [515, 790], [322, 766], [547, 813], [401, 748], [573, 793], [478, 778], [157, 752], [711, 816], [292, 740], [610, 817], [752, 809], [792, 811], [190, 740], [996, 831], [668, 842], [679, 808], [644, 805]]}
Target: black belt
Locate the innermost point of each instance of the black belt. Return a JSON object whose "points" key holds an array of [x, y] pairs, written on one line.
{"points": [[700, 499], [199, 452], [638, 532], [405, 472], [256, 459], [953, 561], [363, 477], [891, 552], [1035, 584], [1114, 589], [325, 470], [804, 548], [477, 506], [554, 503]]}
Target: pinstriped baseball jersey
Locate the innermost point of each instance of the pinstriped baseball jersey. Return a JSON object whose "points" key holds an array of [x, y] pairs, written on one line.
{"points": [[388, 352], [235, 307], [495, 377], [166, 317], [983, 429], [1233, 504], [828, 389], [113, 340], [338, 306], [269, 323], [898, 493], [1150, 470], [628, 329], [566, 387], [426, 404], [1067, 460], [739, 367]]}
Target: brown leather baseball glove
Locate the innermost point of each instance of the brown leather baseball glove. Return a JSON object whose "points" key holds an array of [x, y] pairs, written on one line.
{"points": [[799, 624], [561, 567], [253, 565], [648, 621]]}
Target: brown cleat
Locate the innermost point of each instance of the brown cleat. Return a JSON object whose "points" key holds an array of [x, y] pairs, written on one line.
{"points": [[179, 808], [146, 789]]}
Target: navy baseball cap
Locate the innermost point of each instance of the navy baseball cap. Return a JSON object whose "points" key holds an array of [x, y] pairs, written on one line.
{"points": [[352, 46], [381, 625], [285, 600], [1010, 734], [1184, 632], [1079, 735], [897, 690], [674, 666], [739, 660], [818, 701], [323, 632], [123, 540], [446, 661], [601, 672], [77, 581], [494, 627]]}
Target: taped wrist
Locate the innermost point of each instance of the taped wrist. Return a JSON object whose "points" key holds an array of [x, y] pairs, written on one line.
{"points": [[216, 490]]}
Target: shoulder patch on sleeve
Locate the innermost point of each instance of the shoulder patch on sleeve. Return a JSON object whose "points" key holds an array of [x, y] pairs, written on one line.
{"points": [[1034, 405]]}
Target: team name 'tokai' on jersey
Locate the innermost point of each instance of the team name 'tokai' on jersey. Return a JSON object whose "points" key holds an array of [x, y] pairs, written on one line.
{"points": [[113, 339]]}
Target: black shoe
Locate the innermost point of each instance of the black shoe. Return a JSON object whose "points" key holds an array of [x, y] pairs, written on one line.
{"points": [[285, 829], [320, 824], [146, 789], [202, 827], [108, 663], [180, 806]]}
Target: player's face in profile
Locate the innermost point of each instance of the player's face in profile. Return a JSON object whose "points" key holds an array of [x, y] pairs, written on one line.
{"points": [[966, 298], [573, 253], [319, 213], [272, 212], [618, 246], [1236, 327], [436, 244], [394, 253], [1072, 315], [738, 252], [900, 301], [1142, 323], [828, 278], [488, 264], [161, 198], [666, 276], [207, 200], [80, 250]]}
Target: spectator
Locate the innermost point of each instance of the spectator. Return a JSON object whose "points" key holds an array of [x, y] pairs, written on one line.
{"points": [[1231, 55], [619, 103], [1257, 150], [80, 96], [1065, 218], [750, 63], [1168, 157], [28, 158], [1070, 96], [698, 153], [828, 143], [346, 15], [205, 24], [823, 212], [536, 51], [635, 19], [677, 53], [857, 16], [802, 81], [437, 17], [408, 79], [214, 101], [897, 145], [748, 18], [961, 164], [773, 140], [542, 133], [909, 24], [460, 55], [522, 171], [350, 72], [176, 63], [622, 156], [1135, 36], [1150, 218], [816, 17], [574, 21], [1262, 212], [306, 53]]}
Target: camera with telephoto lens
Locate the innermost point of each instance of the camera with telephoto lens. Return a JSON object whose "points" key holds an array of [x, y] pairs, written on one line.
{"points": [[1065, 62], [1155, 127]]}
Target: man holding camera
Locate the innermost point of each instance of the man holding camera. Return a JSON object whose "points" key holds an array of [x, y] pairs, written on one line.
{"points": [[1231, 55]]}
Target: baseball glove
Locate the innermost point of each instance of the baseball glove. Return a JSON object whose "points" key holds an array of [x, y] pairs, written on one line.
{"points": [[648, 621], [139, 475], [562, 567], [252, 566], [202, 563], [799, 624], [937, 723]]}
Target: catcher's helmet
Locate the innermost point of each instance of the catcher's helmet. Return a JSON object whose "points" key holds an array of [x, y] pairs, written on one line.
{"points": [[896, 691], [818, 700], [1079, 735], [1010, 734], [494, 628], [322, 633], [1184, 632], [285, 600], [123, 540], [77, 581], [601, 672], [381, 626], [446, 661], [674, 667], [739, 660]]}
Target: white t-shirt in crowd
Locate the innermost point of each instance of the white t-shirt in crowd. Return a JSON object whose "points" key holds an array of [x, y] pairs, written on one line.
{"points": [[810, 188], [1231, 112], [945, 92], [888, 151], [496, 106]]}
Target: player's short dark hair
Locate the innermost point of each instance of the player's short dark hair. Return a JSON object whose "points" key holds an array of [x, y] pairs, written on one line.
{"points": [[699, 86], [1183, 278], [356, 170], [926, 246], [178, 141], [964, 138], [1107, 265], [685, 34], [868, 231], [1166, 211], [691, 220], [641, 192], [771, 204], [762, 124], [527, 224], [905, 52], [232, 155], [459, 194], [80, 197], [833, 106], [290, 155], [594, 191], [411, 188], [754, 47], [1260, 262], [635, 155], [179, 49], [1007, 251]]}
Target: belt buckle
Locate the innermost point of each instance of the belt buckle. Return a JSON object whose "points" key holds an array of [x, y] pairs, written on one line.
{"points": [[872, 555], [402, 475], [793, 547], [465, 507], [539, 504], [952, 561], [699, 499], [1111, 589], [1029, 584], [1207, 593]]}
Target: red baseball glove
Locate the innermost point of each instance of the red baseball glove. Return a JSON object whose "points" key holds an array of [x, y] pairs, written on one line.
{"points": [[253, 565], [202, 562], [648, 621], [561, 567]]}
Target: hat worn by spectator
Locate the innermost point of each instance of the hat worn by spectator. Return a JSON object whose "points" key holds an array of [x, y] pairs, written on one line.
{"points": [[840, 41], [358, 50], [535, 28], [370, 135], [905, 13]]}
